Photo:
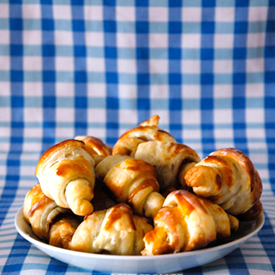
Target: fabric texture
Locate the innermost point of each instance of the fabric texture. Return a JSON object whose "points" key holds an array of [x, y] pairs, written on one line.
{"points": [[99, 68]]}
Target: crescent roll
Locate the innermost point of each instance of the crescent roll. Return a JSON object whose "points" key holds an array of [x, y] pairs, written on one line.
{"points": [[112, 231], [227, 177], [147, 130], [187, 222], [42, 213], [131, 181], [171, 159], [66, 174]]}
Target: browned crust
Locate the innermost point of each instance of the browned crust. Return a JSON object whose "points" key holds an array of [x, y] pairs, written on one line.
{"points": [[140, 129], [38, 200], [143, 127], [117, 212], [96, 146], [188, 202], [138, 165], [150, 178], [77, 166], [62, 231], [239, 156], [69, 143], [198, 175], [154, 120]]}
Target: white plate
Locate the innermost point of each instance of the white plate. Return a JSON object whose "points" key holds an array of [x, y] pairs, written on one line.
{"points": [[140, 264]]}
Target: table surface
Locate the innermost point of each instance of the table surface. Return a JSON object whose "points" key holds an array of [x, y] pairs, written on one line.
{"points": [[99, 68]]}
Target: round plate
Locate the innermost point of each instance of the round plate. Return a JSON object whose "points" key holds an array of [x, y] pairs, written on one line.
{"points": [[140, 264]]}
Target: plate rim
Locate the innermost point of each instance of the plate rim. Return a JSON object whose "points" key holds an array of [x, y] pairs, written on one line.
{"points": [[37, 243]]}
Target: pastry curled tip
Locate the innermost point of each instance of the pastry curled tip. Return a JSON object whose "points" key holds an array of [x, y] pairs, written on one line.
{"points": [[70, 144], [79, 193], [153, 121], [82, 208]]}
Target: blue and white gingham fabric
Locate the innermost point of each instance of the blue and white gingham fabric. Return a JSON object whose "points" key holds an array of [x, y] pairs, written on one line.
{"points": [[94, 67]]}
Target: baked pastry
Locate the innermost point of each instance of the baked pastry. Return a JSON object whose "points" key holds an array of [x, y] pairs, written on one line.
{"points": [[157, 147], [187, 222], [113, 231], [227, 177], [131, 181], [42, 213], [62, 231], [171, 159], [96, 145], [146, 131], [66, 174]]}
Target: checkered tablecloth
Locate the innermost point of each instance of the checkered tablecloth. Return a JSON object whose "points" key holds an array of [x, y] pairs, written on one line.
{"points": [[95, 67]]}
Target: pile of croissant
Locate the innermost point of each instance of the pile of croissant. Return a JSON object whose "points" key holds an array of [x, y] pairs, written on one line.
{"points": [[148, 195]]}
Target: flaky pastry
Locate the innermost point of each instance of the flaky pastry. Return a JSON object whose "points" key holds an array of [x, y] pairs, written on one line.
{"points": [[113, 231], [187, 222], [66, 174], [42, 213], [227, 177], [92, 197], [171, 159], [131, 181]]}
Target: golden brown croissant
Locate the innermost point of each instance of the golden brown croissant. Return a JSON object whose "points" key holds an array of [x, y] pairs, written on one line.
{"points": [[131, 181], [147, 130], [96, 145], [227, 177], [66, 174], [113, 231], [187, 222], [171, 160], [42, 213]]}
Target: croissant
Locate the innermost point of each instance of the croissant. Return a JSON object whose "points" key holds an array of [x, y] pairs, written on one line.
{"points": [[131, 181], [187, 222], [96, 145], [147, 130], [113, 231], [42, 213], [66, 174], [171, 159], [227, 177]]}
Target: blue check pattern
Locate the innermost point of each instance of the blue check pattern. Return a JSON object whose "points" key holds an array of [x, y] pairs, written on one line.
{"points": [[98, 67]]}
